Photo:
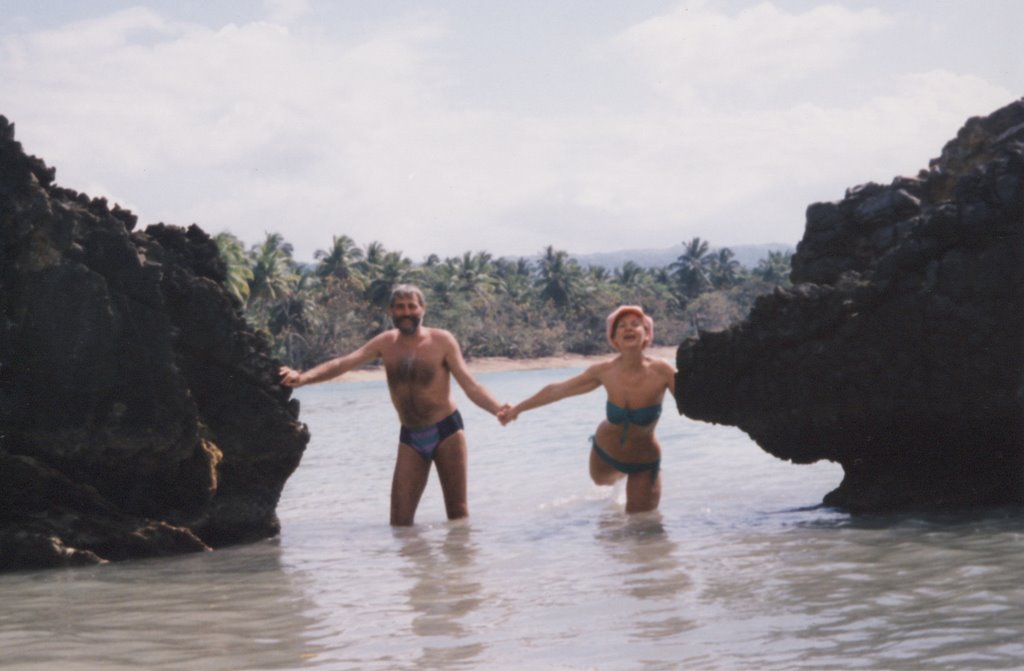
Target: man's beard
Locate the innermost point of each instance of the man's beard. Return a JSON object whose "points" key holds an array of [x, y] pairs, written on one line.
{"points": [[407, 325]]}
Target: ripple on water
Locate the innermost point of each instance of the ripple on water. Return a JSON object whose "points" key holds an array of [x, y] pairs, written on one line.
{"points": [[740, 569]]}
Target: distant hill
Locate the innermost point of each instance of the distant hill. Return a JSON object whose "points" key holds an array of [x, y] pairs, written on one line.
{"points": [[747, 255]]}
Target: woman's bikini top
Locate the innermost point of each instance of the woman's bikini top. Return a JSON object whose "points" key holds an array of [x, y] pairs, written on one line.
{"points": [[627, 416]]}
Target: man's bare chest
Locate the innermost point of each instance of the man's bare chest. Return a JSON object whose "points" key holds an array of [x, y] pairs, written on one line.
{"points": [[410, 369]]}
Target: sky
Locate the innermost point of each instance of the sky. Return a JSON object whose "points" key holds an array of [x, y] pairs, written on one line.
{"points": [[441, 127]]}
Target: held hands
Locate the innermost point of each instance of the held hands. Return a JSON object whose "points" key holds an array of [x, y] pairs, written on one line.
{"points": [[502, 411], [507, 414]]}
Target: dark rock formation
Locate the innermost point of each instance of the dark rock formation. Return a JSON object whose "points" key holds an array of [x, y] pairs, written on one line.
{"points": [[899, 353], [139, 416]]}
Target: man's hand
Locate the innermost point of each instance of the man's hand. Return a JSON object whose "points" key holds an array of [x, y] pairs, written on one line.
{"points": [[290, 377], [507, 414]]}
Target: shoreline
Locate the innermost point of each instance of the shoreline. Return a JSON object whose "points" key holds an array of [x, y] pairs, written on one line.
{"points": [[500, 364]]}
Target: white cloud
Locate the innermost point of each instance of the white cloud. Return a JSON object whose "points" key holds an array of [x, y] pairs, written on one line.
{"points": [[694, 48], [114, 31], [264, 126], [236, 122], [285, 11]]}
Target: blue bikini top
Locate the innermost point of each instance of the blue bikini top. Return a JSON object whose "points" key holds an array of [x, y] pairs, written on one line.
{"points": [[627, 416]]}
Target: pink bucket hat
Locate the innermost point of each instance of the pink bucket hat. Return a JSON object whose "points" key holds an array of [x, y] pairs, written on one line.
{"points": [[629, 309]]}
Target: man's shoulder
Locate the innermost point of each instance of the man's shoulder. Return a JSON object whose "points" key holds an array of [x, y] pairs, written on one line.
{"points": [[438, 334], [425, 336], [384, 340], [444, 343], [389, 335]]}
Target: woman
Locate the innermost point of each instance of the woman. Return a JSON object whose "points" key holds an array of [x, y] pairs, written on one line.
{"points": [[624, 445]]}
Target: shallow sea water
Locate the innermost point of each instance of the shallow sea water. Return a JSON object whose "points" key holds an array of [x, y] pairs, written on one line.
{"points": [[740, 569]]}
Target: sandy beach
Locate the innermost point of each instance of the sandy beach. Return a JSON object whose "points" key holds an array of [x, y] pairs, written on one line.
{"points": [[503, 364]]}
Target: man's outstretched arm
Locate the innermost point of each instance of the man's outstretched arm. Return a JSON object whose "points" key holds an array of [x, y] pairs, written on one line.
{"points": [[475, 391], [332, 368]]}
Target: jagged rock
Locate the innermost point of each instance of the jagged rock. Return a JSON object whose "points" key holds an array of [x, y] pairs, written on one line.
{"points": [[899, 352], [139, 415]]}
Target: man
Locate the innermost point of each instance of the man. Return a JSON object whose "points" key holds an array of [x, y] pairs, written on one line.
{"points": [[420, 362]]}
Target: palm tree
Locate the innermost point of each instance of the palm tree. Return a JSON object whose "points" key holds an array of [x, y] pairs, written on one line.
{"points": [[238, 272], [371, 266], [296, 311], [775, 268], [631, 275], [635, 283], [514, 279], [339, 260], [559, 278], [598, 273], [392, 270], [690, 269], [724, 269], [372, 258], [473, 273], [442, 279], [272, 269], [524, 266]]}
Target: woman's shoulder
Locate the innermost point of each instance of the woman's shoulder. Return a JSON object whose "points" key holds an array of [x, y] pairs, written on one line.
{"points": [[660, 366], [658, 362], [601, 368]]}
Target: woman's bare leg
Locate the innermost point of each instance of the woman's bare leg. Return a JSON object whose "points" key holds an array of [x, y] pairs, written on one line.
{"points": [[600, 472], [643, 492]]}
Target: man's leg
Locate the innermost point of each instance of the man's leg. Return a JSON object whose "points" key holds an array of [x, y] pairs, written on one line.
{"points": [[451, 460], [407, 485]]}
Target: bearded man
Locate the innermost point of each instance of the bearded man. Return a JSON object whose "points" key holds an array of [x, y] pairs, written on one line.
{"points": [[420, 362]]}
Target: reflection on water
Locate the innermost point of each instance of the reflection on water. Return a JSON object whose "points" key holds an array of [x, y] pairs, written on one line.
{"points": [[648, 557], [940, 591], [650, 573], [740, 569], [225, 610], [443, 592]]}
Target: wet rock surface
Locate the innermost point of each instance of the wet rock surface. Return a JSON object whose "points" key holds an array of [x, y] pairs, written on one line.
{"points": [[899, 351], [139, 415]]}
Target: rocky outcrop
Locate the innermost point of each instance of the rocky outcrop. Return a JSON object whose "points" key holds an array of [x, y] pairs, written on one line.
{"points": [[139, 415], [899, 352]]}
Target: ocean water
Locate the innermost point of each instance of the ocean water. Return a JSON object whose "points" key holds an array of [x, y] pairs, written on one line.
{"points": [[741, 568]]}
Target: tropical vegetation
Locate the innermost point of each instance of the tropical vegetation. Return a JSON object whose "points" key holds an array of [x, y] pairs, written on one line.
{"points": [[516, 308]]}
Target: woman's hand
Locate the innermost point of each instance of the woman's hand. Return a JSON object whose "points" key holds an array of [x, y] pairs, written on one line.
{"points": [[507, 414]]}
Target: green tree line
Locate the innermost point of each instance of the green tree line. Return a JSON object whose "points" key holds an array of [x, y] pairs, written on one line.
{"points": [[518, 308]]}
